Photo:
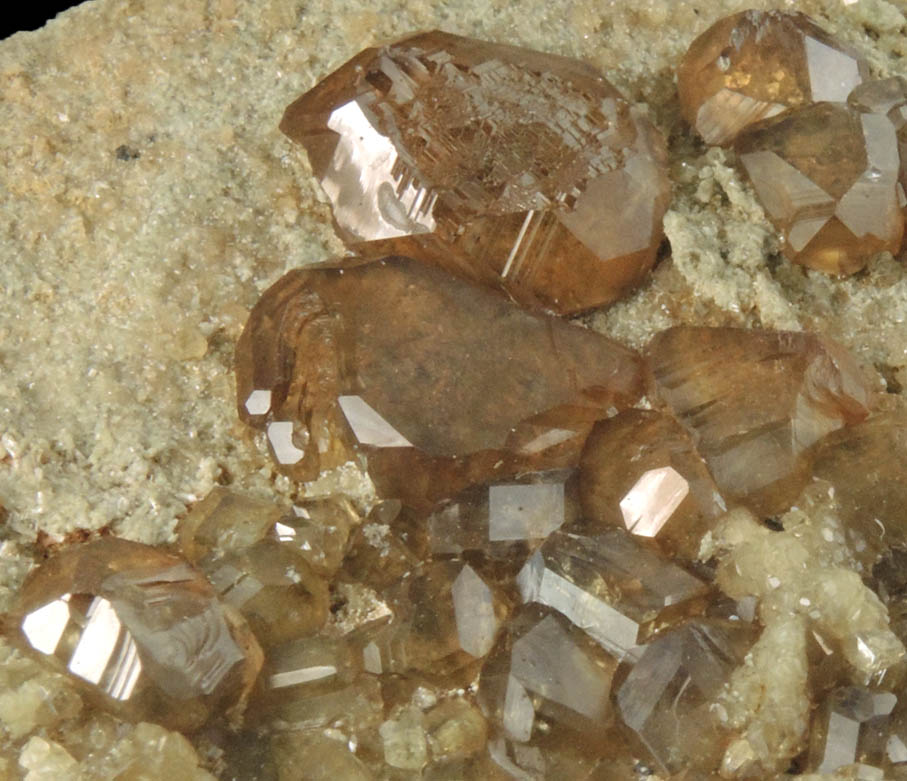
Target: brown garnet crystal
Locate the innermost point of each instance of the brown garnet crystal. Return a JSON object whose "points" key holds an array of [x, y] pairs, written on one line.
{"points": [[755, 64], [441, 383], [140, 630], [517, 169]]}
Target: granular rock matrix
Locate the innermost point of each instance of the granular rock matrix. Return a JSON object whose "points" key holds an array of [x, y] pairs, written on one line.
{"points": [[454, 536]]}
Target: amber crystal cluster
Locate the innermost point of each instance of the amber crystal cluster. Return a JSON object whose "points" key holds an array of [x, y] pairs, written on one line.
{"points": [[521, 170], [816, 139], [569, 559]]}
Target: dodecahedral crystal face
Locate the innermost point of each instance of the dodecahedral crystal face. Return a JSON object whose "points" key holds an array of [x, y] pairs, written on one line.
{"points": [[514, 168], [755, 64], [441, 383], [140, 630], [827, 177]]}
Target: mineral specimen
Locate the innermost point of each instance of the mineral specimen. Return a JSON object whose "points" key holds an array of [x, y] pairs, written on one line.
{"points": [[755, 64], [140, 630], [440, 383], [640, 471], [755, 401], [517, 169], [609, 585], [827, 176]]}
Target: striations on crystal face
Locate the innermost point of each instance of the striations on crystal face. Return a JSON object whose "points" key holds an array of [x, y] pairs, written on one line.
{"points": [[827, 177], [667, 697], [517, 169], [140, 630], [610, 586], [755, 64], [640, 471], [754, 402], [454, 384]]}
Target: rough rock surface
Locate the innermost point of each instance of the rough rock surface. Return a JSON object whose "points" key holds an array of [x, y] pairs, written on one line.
{"points": [[147, 197]]}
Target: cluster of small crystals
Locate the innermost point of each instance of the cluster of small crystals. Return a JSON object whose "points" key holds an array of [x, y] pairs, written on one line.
{"points": [[517, 169], [585, 562], [822, 145]]}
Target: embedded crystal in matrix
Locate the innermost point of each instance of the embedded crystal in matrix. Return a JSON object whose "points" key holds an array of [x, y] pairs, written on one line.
{"points": [[439, 382], [517, 169]]}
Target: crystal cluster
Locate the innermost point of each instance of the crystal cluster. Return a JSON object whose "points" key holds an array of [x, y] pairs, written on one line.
{"points": [[521, 170], [817, 140], [580, 561]]}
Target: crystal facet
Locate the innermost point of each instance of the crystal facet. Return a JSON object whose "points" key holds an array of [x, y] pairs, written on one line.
{"points": [[755, 401], [608, 585], [517, 169], [479, 388], [827, 177], [140, 630], [755, 64], [639, 470]]}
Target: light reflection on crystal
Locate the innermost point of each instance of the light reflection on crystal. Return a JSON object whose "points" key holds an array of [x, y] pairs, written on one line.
{"points": [[652, 500], [259, 402], [44, 627], [368, 426], [524, 512], [280, 435], [474, 610]]}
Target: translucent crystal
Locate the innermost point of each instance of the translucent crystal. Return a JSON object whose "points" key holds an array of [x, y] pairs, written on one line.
{"points": [[141, 631], [497, 517], [668, 694], [755, 402], [827, 177], [755, 64], [319, 530], [544, 668], [517, 169], [846, 729], [640, 470], [479, 388], [607, 585]]}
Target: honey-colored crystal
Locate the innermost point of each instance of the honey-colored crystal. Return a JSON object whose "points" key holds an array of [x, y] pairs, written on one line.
{"points": [[517, 169], [439, 382], [667, 697], [140, 630], [827, 177], [542, 670], [640, 471], [754, 64], [609, 585], [754, 402]]}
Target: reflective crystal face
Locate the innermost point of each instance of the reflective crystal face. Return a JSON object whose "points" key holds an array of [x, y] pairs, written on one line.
{"points": [[544, 668], [517, 169], [498, 517], [755, 64], [639, 470], [755, 402], [444, 617], [608, 585], [141, 630], [827, 177], [668, 694], [854, 724], [440, 383]]}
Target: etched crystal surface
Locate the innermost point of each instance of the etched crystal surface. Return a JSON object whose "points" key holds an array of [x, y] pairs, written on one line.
{"points": [[827, 176], [141, 631], [755, 402], [455, 384], [754, 64], [514, 168]]}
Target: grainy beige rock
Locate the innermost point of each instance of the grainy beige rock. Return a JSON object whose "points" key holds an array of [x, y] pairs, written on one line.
{"points": [[147, 197]]}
